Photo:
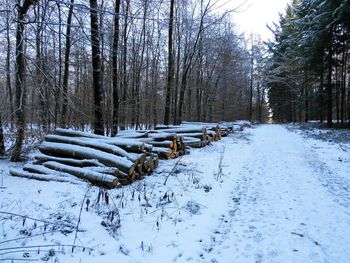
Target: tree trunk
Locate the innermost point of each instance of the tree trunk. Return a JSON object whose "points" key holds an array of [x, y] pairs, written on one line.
{"points": [[20, 85], [96, 68], [124, 74], [115, 118], [2, 144], [251, 87], [329, 88], [343, 86], [58, 88], [306, 98], [66, 66], [321, 95], [8, 69], [170, 65]]}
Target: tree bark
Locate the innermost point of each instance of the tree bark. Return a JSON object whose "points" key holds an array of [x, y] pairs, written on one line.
{"points": [[97, 178], [329, 88], [170, 65], [8, 68], [2, 144], [124, 74], [66, 66], [115, 118], [20, 85], [82, 152], [96, 68]]}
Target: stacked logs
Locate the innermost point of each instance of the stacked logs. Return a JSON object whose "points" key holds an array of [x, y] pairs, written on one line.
{"points": [[166, 145], [195, 134], [105, 161], [70, 156]]}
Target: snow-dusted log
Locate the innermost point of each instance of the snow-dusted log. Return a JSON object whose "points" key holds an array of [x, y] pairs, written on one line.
{"points": [[192, 142], [129, 145], [186, 129], [91, 143], [97, 178], [132, 134], [165, 144], [163, 127], [73, 133], [104, 170], [80, 152], [164, 153], [198, 135], [41, 158], [42, 177], [40, 169], [138, 157]]}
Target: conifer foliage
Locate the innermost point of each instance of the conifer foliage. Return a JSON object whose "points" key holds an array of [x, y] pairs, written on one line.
{"points": [[308, 68]]}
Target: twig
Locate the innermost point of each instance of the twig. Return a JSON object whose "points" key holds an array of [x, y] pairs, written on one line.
{"points": [[172, 170], [31, 236], [220, 173], [40, 246], [32, 218], [79, 218]]}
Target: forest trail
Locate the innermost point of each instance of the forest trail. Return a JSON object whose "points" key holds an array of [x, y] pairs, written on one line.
{"points": [[267, 194], [287, 205]]}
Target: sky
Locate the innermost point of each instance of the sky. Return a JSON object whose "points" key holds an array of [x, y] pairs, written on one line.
{"points": [[254, 15]]}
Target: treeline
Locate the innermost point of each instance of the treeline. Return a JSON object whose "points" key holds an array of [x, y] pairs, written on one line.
{"points": [[308, 71], [106, 65]]}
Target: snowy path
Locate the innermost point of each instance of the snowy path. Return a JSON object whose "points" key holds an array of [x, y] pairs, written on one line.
{"points": [[287, 205], [280, 198]]}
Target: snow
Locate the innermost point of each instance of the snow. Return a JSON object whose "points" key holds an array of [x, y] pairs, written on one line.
{"points": [[276, 197]]}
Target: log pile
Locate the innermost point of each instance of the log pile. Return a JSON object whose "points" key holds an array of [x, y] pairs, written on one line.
{"points": [[67, 155], [167, 145], [72, 156]]}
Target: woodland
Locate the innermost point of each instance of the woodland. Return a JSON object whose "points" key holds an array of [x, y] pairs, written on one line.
{"points": [[108, 66], [153, 131]]}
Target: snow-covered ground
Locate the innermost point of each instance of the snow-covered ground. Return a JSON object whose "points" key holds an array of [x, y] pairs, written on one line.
{"points": [[267, 194]]}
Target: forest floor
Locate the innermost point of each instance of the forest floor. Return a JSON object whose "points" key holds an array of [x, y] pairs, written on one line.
{"points": [[272, 193]]}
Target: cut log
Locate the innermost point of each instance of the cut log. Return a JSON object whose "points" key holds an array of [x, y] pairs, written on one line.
{"points": [[91, 143], [164, 153], [104, 180], [42, 177], [163, 136], [41, 158], [189, 129], [40, 169], [165, 144], [80, 152], [129, 145], [73, 133], [104, 170], [163, 127], [132, 134], [198, 135], [192, 142]]}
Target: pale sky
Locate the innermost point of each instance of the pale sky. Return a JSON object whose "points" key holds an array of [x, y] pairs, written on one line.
{"points": [[255, 14]]}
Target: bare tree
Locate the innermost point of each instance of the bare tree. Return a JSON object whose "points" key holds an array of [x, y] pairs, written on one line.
{"points": [[96, 69], [20, 82], [115, 118], [2, 144], [66, 66], [170, 65]]}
